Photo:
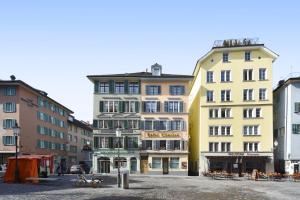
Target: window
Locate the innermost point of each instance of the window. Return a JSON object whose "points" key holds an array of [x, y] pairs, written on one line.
{"points": [[251, 130], [209, 77], [132, 142], [247, 56], [209, 96], [248, 75], [176, 125], [262, 74], [149, 125], [252, 113], [173, 106], [262, 94], [163, 125], [104, 88], [251, 146], [248, 94], [122, 162], [225, 146], [10, 91], [174, 163], [176, 90], [225, 76], [225, 95], [9, 107], [147, 144], [153, 89], [225, 57], [296, 128], [225, 130], [151, 106], [9, 123], [225, 112], [8, 140], [119, 88], [133, 88], [156, 163], [297, 107]]}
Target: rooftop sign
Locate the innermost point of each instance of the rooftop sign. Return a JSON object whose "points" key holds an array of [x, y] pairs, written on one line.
{"points": [[236, 42]]}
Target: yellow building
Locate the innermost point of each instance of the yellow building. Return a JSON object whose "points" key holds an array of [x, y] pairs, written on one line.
{"points": [[231, 117]]}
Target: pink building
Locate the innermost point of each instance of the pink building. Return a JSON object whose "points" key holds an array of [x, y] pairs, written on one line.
{"points": [[43, 122]]}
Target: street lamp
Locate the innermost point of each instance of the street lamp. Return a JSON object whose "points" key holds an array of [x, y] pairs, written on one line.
{"points": [[118, 135], [16, 130]]}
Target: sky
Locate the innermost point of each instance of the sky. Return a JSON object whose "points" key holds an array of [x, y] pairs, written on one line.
{"points": [[53, 44]]}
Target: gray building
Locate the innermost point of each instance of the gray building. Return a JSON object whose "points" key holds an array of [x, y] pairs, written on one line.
{"points": [[287, 125]]}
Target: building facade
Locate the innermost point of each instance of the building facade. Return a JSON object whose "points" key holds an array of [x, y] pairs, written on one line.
{"points": [[231, 108], [164, 123], [80, 141], [287, 125], [116, 106], [43, 122], [153, 122]]}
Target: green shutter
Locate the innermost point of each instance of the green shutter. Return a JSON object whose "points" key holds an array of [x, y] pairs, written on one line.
{"points": [[121, 106], [166, 106], [126, 87], [101, 106], [181, 106], [111, 86], [125, 142], [96, 86], [110, 124], [4, 123], [137, 107], [125, 124]]}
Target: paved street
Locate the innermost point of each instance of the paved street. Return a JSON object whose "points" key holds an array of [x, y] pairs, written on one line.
{"points": [[155, 187]]}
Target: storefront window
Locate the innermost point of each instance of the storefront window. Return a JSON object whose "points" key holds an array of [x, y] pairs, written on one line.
{"points": [[123, 162], [174, 163], [156, 163]]}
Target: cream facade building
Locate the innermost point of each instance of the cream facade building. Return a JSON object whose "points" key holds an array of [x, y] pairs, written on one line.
{"points": [[231, 112]]}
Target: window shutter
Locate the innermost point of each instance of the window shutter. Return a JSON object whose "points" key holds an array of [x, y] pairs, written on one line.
{"points": [[147, 89], [96, 86], [125, 124], [110, 124], [171, 90], [137, 106], [181, 106], [101, 106], [125, 142], [95, 123], [111, 86], [159, 90], [158, 106], [4, 123], [166, 106], [139, 87], [14, 108], [126, 87], [183, 90], [183, 128], [4, 107], [144, 106], [142, 125], [121, 107], [144, 145], [110, 142]]}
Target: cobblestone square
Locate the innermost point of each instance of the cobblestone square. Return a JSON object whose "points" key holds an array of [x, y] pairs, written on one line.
{"points": [[154, 188]]}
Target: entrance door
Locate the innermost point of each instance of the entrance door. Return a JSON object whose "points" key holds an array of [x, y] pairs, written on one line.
{"points": [[133, 165], [144, 164], [296, 168], [165, 165], [103, 165]]}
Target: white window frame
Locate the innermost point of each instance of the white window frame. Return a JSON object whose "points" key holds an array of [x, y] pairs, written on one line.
{"points": [[262, 74], [226, 94], [226, 76], [209, 76], [263, 93], [248, 75]]}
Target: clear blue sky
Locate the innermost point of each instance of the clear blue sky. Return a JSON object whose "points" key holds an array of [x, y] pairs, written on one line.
{"points": [[53, 45]]}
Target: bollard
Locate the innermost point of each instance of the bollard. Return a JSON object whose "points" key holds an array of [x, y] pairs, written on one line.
{"points": [[125, 181]]}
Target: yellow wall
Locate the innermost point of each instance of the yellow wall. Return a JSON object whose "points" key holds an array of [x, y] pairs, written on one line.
{"points": [[199, 108]]}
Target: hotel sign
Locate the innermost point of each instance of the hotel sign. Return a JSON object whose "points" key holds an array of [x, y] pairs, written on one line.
{"points": [[162, 135]]}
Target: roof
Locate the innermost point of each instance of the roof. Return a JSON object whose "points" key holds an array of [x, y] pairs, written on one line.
{"points": [[80, 124], [40, 92], [140, 75], [283, 83]]}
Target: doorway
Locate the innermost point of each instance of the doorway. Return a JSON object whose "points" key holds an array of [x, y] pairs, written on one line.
{"points": [[133, 165], [103, 165], [165, 165], [296, 168], [144, 164]]}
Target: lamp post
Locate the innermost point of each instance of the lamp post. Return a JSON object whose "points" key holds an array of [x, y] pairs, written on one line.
{"points": [[118, 135], [16, 130]]}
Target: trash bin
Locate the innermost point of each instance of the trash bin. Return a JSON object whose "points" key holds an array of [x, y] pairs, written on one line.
{"points": [[125, 181]]}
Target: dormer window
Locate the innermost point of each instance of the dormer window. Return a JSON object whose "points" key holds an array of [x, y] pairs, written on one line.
{"points": [[156, 69]]}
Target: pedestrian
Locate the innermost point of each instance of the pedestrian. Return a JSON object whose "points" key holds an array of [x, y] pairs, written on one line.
{"points": [[58, 169]]}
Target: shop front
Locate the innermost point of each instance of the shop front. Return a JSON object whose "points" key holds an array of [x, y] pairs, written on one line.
{"points": [[237, 162], [106, 162]]}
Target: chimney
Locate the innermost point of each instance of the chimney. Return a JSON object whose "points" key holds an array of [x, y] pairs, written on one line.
{"points": [[156, 69], [12, 77]]}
